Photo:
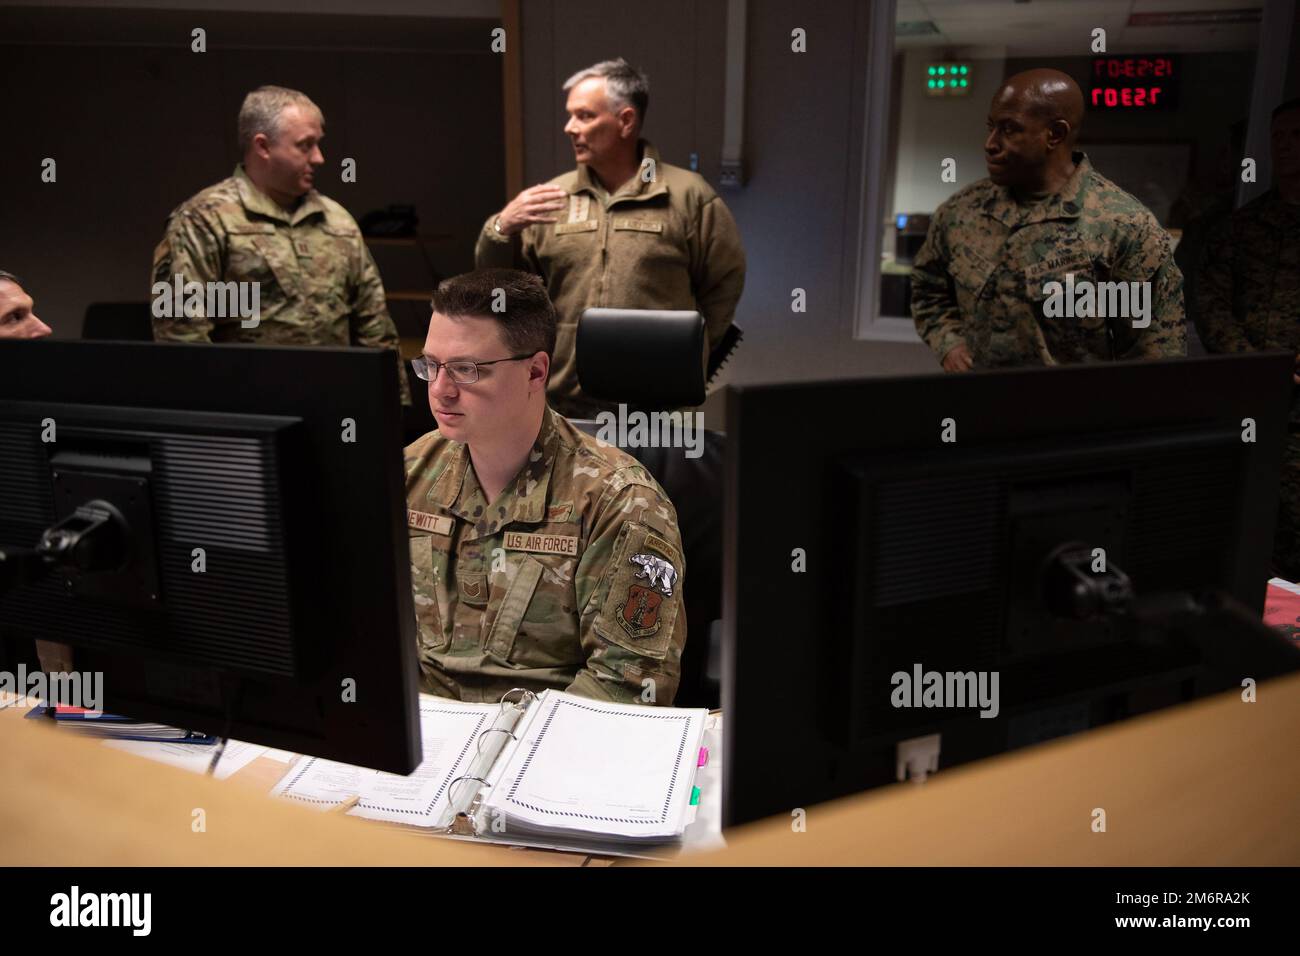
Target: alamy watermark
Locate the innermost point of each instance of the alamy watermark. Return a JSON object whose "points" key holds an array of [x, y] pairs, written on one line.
{"points": [[1085, 299], [75, 908], [83, 689], [653, 430], [946, 689], [215, 300]]}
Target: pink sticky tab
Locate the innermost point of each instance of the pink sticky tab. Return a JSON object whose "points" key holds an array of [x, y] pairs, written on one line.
{"points": [[704, 756]]}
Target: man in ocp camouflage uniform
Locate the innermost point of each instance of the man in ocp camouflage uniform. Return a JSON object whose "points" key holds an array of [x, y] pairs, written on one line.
{"points": [[540, 558], [1250, 300], [266, 224], [980, 282]]}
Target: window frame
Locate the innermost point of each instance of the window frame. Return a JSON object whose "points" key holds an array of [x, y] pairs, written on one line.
{"points": [[868, 323]]}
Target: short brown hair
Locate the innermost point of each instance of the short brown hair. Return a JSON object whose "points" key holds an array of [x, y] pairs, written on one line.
{"points": [[528, 321]]}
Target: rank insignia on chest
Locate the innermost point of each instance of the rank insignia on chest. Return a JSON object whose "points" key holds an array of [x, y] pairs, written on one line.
{"points": [[639, 612], [303, 248], [579, 206], [473, 588]]}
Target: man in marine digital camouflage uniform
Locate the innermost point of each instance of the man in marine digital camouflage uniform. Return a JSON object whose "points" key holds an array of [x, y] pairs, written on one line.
{"points": [[1250, 300], [980, 280], [622, 230], [318, 284], [539, 557]]}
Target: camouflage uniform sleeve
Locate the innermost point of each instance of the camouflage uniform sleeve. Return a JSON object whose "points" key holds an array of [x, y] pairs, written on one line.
{"points": [[717, 267], [191, 247], [632, 622], [1150, 258], [934, 300], [371, 324], [1215, 320]]}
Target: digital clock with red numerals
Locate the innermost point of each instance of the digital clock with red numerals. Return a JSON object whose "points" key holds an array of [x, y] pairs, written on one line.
{"points": [[1133, 82]]}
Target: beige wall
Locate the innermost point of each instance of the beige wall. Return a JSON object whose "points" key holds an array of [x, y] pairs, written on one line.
{"points": [[935, 128]]}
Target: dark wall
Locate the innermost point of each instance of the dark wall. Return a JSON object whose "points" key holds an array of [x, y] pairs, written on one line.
{"points": [[1214, 93], [1292, 89], [137, 123], [679, 43]]}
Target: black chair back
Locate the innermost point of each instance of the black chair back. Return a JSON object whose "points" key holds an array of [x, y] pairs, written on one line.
{"points": [[649, 358], [123, 321]]}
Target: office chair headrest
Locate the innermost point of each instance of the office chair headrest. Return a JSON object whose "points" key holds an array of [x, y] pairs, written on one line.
{"points": [[646, 357]]}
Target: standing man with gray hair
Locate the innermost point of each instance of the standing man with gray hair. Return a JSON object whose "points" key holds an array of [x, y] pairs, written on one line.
{"points": [[622, 230], [265, 237]]}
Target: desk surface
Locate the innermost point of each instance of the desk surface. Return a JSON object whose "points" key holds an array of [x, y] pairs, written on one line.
{"points": [[1212, 783], [143, 813]]}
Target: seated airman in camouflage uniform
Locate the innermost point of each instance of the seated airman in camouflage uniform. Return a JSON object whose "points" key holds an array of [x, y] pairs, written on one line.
{"points": [[540, 557]]}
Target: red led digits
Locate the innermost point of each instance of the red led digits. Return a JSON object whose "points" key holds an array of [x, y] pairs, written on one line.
{"points": [[1113, 85], [1126, 95]]}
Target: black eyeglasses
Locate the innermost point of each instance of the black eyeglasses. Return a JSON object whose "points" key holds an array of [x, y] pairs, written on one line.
{"points": [[462, 373]]}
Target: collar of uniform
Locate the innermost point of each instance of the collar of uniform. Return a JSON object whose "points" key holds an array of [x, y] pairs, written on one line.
{"points": [[1066, 204], [458, 490], [256, 201], [447, 487], [640, 189], [534, 482]]}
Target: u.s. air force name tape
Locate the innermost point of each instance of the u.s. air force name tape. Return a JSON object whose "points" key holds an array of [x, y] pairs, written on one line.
{"points": [[542, 543]]}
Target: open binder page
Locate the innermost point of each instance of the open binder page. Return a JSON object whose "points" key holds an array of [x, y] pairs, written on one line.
{"points": [[448, 730], [615, 769]]}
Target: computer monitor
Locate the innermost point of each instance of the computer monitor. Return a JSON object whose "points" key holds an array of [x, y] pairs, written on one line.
{"points": [[1097, 537], [220, 531]]}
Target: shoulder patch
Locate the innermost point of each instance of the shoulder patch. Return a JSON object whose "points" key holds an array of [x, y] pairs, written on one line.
{"points": [[660, 547], [643, 596]]}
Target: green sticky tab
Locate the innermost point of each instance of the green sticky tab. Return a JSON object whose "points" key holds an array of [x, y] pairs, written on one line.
{"points": [[695, 796]]}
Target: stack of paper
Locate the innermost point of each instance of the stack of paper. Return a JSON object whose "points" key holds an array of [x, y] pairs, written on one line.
{"points": [[600, 774], [95, 723]]}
